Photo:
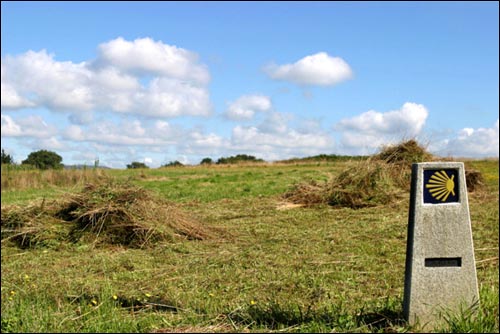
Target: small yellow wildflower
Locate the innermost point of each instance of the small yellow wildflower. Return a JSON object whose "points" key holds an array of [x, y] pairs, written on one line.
{"points": [[211, 294], [115, 297], [12, 292], [94, 302], [26, 277], [253, 302], [147, 295]]}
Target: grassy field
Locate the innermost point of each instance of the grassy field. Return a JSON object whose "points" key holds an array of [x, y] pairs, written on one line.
{"points": [[267, 266]]}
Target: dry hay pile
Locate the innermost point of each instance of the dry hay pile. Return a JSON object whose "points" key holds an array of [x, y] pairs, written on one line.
{"points": [[404, 153], [32, 225], [399, 158], [362, 184], [474, 180], [109, 213], [381, 179], [402, 156], [367, 183], [307, 193]]}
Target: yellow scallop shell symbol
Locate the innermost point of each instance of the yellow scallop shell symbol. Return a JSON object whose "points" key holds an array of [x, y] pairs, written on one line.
{"points": [[440, 185]]}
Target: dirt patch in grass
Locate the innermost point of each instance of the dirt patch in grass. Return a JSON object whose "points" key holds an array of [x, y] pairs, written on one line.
{"points": [[107, 213]]}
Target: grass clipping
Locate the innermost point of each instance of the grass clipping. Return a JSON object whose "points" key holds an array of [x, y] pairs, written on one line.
{"points": [[361, 184], [381, 179], [109, 213]]}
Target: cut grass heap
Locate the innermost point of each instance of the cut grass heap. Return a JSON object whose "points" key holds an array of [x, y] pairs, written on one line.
{"points": [[367, 183], [362, 184], [109, 213], [405, 153], [381, 179], [474, 179]]}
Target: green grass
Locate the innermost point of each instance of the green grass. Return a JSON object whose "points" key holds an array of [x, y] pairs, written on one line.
{"points": [[23, 196], [319, 269], [226, 182], [474, 318]]}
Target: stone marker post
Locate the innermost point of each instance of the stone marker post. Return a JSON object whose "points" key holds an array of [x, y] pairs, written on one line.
{"points": [[440, 266]]}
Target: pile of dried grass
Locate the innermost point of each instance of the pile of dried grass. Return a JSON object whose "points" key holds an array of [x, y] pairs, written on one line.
{"points": [[367, 183], [32, 225], [362, 184], [109, 213], [399, 159], [403, 155], [406, 152], [307, 193], [474, 180], [381, 179]]}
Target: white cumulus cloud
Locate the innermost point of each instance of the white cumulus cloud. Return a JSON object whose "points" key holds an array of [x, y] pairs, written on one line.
{"points": [[275, 139], [170, 98], [272, 139], [143, 77], [470, 142], [124, 133], [31, 126], [37, 79], [245, 107], [9, 127], [144, 55], [51, 143], [196, 142], [368, 131], [318, 69], [10, 98]]}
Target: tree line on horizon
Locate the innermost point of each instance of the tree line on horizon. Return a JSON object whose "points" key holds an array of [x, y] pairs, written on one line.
{"points": [[44, 159]]}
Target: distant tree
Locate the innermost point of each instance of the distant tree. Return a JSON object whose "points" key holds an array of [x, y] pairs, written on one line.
{"points": [[136, 164], [206, 161], [173, 164], [6, 158], [238, 158], [44, 159]]}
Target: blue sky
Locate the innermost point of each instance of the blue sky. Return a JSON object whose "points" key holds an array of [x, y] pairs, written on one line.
{"points": [[162, 81]]}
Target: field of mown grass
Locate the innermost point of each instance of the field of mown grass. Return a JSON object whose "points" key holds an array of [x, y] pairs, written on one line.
{"points": [[268, 266]]}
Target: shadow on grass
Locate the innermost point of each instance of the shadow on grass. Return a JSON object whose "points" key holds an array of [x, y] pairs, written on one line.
{"points": [[144, 303], [386, 320], [274, 316]]}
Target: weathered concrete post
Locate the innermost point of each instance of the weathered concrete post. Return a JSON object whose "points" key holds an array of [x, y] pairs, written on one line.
{"points": [[440, 266]]}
